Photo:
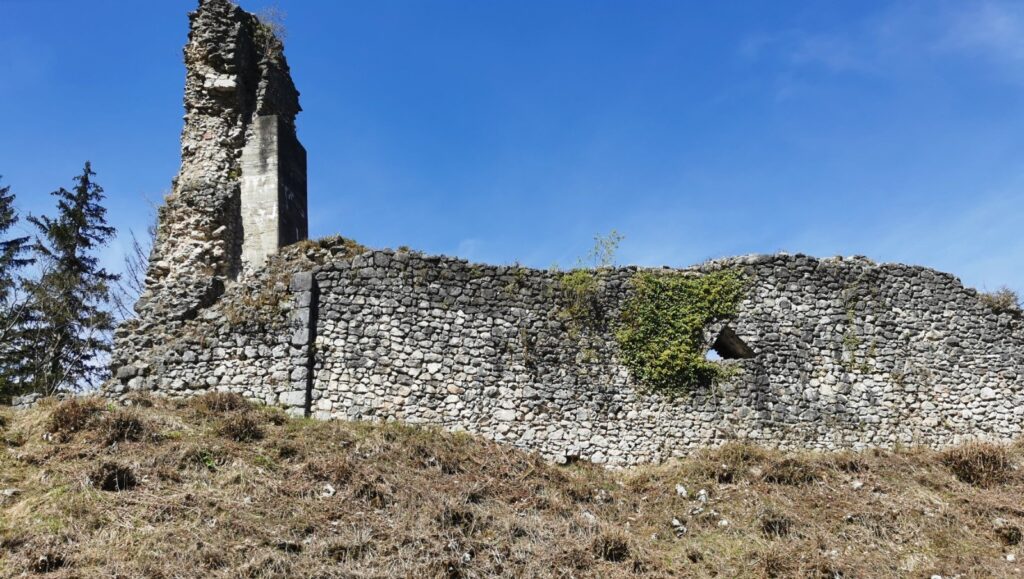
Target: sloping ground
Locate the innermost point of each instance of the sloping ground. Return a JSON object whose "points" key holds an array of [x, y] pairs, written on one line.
{"points": [[216, 488]]}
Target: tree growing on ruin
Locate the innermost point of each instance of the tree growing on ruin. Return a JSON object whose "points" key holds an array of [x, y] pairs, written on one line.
{"points": [[69, 319], [13, 259]]}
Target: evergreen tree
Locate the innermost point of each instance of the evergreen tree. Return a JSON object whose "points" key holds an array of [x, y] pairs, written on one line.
{"points": [[13, 257], [12, 250], [70, 319]]}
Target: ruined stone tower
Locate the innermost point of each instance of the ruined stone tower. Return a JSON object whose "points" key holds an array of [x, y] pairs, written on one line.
{"points": [[241, 191]]}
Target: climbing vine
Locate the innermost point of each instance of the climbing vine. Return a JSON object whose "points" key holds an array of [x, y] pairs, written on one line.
{"points": [[661, 335]]}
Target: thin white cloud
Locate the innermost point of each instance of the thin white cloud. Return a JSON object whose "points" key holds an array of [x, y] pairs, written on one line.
{"points": [[994, 30], [903, 38]]}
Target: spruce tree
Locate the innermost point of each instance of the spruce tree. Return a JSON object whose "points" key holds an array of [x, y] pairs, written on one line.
{"points": [[70, 319], [13, 250], [13, 257]]}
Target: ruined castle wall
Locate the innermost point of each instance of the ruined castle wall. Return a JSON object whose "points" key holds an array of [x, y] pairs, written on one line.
{"points": [[199, 237], [848, 354], [254, 341], [841, 353]]}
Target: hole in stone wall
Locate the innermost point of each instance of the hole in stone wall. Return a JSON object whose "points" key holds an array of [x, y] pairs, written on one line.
{"points": [[729, 346]]}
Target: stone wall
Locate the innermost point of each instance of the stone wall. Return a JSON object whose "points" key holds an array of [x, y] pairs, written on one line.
{"points": [[253, 340], [256, 339], [847, 354]]}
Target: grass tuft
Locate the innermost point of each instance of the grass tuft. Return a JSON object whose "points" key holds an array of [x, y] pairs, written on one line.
{"points": [[612, 546], [122, 425], [775, 525], [1002, 301], [140, 399], [113, 477], [241, 426], [47, 559], [979, 463], [72, 416], [792, 471], [213, 403]]}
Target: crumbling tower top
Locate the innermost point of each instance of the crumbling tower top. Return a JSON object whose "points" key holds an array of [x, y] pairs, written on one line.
{"points": [[241, 191]]}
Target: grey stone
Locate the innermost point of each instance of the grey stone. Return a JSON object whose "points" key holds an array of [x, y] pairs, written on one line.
{"points": [[505, 415], [125, 373], [302, 282], [295, 398]]}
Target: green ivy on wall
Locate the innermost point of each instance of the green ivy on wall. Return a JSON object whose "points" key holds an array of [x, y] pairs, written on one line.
{"points": [[581, 308], [661, 335]]}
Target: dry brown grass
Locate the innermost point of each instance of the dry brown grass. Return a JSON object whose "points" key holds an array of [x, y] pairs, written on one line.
{"points": [[113, 477], [122, 425], [980, 463], [793, 471], [72, 416], [164, 490], [214, 403], [241, 426], [1002, 301]]}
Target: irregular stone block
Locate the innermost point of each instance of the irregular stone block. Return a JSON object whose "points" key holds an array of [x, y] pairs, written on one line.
{"points": [[293, 398]]}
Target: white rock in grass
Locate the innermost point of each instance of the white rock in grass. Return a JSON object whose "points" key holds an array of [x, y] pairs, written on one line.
{"points": [[679, 528]]}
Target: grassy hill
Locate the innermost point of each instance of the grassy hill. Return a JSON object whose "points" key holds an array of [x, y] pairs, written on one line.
{"points": [[218, 488]]}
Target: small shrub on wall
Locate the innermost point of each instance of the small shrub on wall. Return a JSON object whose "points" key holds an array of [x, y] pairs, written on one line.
{"points": [[581, 307], [1002, 301], [661, 335], [581, 287]]}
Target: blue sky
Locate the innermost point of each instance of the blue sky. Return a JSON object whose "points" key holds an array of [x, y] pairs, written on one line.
{"points": [[503, 130]]}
